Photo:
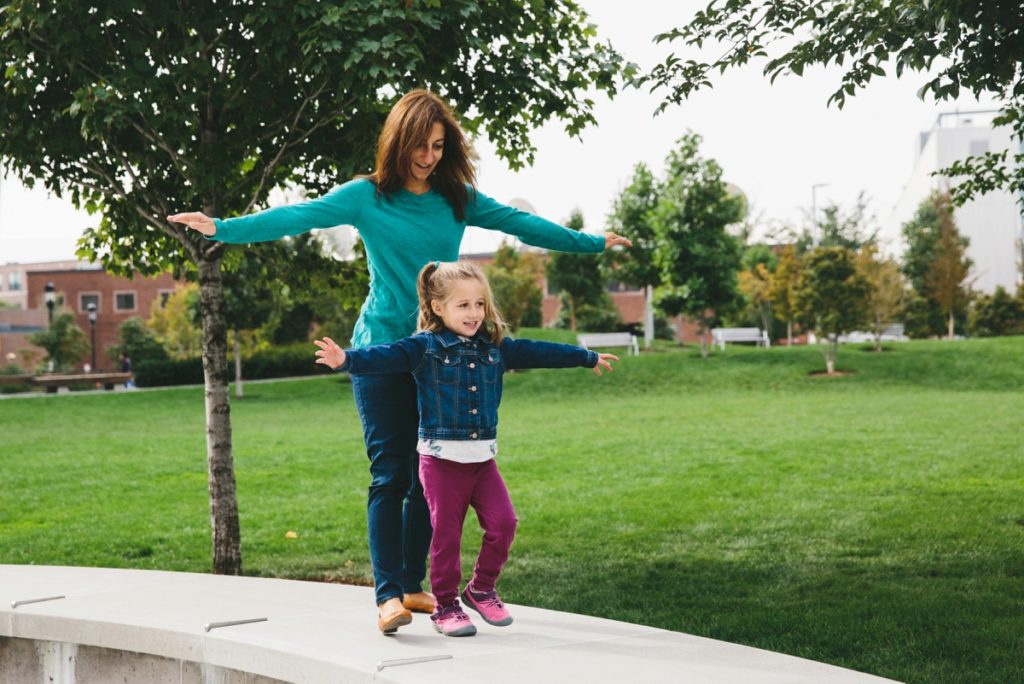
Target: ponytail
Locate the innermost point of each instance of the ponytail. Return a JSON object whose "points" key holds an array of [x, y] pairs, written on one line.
{"points": [[428, 320]]}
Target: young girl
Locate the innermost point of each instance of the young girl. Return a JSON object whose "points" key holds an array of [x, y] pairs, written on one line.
{"points": [[457, 359]]}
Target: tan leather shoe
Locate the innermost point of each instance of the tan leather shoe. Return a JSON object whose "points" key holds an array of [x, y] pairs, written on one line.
{"points": [[391, 615], [421, 602]]}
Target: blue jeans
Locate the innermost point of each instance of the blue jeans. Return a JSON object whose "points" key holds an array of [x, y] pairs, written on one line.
{"points": [[398, 522]]}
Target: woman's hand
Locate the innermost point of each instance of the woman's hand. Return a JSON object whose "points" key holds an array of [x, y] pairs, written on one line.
{"points": [[603, 362], [612, 239], [196, 220], [330, 354]]}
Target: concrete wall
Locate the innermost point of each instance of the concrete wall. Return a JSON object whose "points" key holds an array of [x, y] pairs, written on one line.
{"points": [[28, 660]]}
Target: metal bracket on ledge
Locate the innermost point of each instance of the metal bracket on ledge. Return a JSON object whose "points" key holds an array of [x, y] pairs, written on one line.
{"points": [[25, 602], [230, 623], [411, 661]]}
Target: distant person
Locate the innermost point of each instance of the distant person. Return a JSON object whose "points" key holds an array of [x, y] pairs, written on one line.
{"points": [[457, 360], [125, 365], [412, 209]]}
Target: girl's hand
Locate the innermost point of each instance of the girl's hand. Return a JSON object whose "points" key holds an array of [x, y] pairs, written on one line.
{"points": [[330, 354], [612, 239], [196, 220], [603, 362]]}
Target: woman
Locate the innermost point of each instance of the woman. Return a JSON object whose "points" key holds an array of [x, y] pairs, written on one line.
{"points": [[411, 210]]}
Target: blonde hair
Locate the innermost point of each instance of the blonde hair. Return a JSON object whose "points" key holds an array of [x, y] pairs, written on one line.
{"points": [[436, 282], [408, 125]]}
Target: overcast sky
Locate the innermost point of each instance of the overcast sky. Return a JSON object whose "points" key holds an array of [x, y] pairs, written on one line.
{"points": [[774, 142]]}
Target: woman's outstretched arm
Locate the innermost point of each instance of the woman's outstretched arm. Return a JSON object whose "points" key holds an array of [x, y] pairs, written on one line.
{"points": [[341, 206]]}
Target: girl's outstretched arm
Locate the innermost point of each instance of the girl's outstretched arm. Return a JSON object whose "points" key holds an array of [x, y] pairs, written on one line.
{"points": [[330, 354], [604, 361]]}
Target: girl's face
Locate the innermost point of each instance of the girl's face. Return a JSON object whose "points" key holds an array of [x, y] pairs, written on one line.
{"points": [[464, 311], [425, 158]]}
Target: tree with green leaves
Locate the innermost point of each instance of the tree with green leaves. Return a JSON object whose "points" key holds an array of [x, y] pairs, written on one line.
{"points": [[513, 277], [65, 343], [851, 229], [958, 46], [581, 284], [632, 217], [784, 285], [997, 314], [922, 316], [832, 297], [696, 254], [136, 341], [175, 325], [944, 279], [134, 114], [887, 290], [755, 285]]}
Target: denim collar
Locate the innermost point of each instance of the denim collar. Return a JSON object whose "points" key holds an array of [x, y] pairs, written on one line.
{"points": [[450, 339]]}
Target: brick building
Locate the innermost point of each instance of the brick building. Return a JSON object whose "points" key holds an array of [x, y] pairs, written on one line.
{"points": [[13, 279], [117, 299]]}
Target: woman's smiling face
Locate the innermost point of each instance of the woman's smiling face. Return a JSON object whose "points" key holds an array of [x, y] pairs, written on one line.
{"points": [[424, 159]]}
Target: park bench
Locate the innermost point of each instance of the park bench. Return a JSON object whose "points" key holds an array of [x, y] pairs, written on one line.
{"points": [[616, 339], [720, 336], [15, 379], [53, 382]]}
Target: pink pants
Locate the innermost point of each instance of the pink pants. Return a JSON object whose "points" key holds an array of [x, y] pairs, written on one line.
{"points": [[450, 488]]}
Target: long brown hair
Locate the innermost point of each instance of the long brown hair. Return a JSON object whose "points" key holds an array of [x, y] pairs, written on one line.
{"points": [[408, 125], [436, 282]]}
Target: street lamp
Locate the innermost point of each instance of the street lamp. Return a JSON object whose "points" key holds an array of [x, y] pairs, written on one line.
{"points": [[814, 211], [50, 297], [91, 308]]}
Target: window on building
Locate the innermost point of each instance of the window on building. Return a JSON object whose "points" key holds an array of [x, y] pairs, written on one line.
{"points": [[124, 301], [162, 297], [14, 281], [87, 298]]}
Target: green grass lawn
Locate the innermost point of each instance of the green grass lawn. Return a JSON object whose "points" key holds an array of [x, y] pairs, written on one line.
{"points": [[874, 521]]}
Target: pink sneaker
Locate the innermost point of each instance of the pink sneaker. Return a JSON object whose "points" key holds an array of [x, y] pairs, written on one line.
{"points": [[490, 607], [452, 621]]}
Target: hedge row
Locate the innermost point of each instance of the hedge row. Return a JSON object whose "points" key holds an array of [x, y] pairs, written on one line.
{"points": [[279, 362]]}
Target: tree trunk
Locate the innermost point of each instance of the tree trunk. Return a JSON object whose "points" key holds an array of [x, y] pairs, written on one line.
{"points": [[703, 340], [951, 326], [238, 366], [789, 333], [648, 316], [227, 544], [832, 348]]}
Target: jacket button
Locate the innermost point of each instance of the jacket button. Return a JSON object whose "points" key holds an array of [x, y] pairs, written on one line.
{"points": [[472, 365], [473, 435], [474, 412], [473, 388]]}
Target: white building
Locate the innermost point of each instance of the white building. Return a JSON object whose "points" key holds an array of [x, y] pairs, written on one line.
{"points": [[992, 222]]}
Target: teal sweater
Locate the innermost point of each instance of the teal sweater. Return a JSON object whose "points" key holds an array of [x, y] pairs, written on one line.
{"points": [[402, 232]]}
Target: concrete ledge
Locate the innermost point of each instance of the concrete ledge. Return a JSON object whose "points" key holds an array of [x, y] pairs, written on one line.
{"points": [[151, 626]]}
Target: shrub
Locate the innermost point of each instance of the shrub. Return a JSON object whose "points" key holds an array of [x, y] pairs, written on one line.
{"points": [[276, 362], [996, 314]]}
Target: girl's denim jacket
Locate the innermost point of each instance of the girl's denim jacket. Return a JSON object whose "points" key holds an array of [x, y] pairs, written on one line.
{"points": [[459, 382]]}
